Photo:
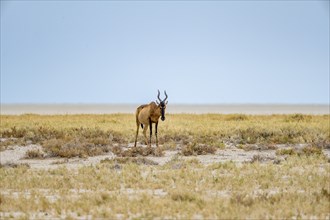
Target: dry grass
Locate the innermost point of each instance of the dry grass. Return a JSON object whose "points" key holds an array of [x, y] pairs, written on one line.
{"points": [[87, 135], [78, 147], [127, 160], [138, 151], [35, 153], [305, 151], [132, 186], [296, 188], [197, 149], [311, 150]]}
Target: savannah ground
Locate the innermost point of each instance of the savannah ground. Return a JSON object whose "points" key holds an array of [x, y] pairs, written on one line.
{"points": [[207, 166]]}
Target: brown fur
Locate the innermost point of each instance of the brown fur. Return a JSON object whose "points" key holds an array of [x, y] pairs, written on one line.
{"points": [[144, 115]]}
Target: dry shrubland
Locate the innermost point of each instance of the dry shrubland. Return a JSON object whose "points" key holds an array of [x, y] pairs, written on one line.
{"points": [[133, 186], [89, 135]]}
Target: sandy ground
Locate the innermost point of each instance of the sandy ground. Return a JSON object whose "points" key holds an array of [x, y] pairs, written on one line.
{"points": [[16, 155], [259, 109]]}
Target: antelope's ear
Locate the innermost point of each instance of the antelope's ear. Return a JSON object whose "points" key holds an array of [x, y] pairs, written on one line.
{"points": [[157, 102], [166, 102]]}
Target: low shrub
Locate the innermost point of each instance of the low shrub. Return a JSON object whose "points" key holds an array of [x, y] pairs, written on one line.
{"points": [[259, 158], [242, 199], [298, 118], [198, 149], [307, 151], [125, 160], [138, 151], [285, 151], [14, 165], [78, 147], [311, 150], [236, 117], [183, 196], [34, 153]]}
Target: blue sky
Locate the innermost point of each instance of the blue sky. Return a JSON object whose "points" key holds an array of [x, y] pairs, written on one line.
{"points": [[199, 51]]}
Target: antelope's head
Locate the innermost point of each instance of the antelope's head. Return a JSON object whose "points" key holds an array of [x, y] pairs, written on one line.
{"points": [[162, 105]]}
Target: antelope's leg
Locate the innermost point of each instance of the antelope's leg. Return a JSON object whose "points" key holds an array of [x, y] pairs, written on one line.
{"points": [[137, 132], [150, 124], [145, 133], [156, 127]]}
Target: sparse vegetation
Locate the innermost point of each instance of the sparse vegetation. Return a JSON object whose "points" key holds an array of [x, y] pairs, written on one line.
{"points": [[78, 147], [306, 151], [62, 135], [197, 149], [311, 150], [298, 187], [138, 151], [237, 117], [298, 118], [36, 153], [286, 151], [295, 184], [127, 160]]}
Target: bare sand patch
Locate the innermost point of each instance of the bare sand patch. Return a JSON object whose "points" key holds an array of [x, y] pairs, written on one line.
{"points": [[16, 155]]}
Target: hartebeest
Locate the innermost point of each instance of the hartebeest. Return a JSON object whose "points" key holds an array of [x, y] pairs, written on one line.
{"points": [[148, 114]]}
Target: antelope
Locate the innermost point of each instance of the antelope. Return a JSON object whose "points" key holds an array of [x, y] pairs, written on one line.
{"points": [[148, 114]]}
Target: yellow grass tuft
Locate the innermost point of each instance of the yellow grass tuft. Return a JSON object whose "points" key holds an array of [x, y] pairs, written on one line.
{"points": [[62, 134], [298, 187]]}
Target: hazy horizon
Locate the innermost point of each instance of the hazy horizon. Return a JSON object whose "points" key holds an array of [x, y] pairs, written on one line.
{"points": [[255, 109], [136, 103]]}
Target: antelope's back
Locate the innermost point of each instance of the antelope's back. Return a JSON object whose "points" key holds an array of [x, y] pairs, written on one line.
{"points": [[139, 109]]}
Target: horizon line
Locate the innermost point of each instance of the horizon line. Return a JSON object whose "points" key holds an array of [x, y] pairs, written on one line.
{"points": [[176, 103]]}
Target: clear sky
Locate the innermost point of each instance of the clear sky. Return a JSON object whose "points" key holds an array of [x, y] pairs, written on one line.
{"points": [[199, 51]]}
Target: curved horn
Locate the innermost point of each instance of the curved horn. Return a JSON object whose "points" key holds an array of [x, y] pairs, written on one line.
{"points": [[165, 96], [158, 96]]}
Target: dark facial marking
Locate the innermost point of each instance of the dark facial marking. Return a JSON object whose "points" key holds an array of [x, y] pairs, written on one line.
{"points": [[162, 109]]}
